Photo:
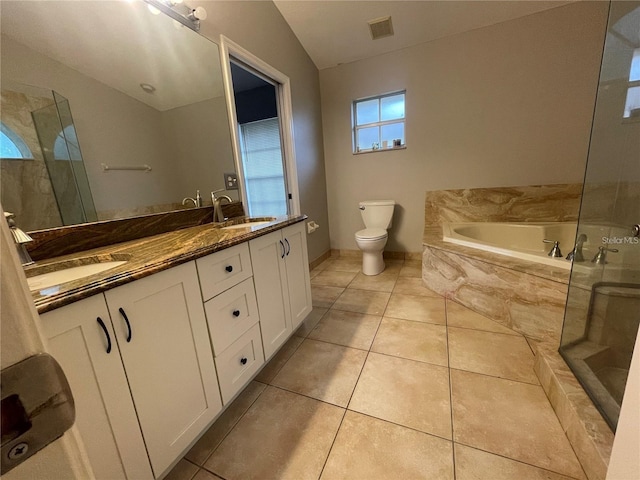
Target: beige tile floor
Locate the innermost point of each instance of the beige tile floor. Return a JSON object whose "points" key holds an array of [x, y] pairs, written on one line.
{"points": [[386, 379]]}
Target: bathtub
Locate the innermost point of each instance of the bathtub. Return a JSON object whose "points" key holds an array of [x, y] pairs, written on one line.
{"points": [[517, 240]]}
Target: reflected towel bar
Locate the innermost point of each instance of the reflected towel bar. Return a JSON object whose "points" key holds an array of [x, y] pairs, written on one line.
{"points": [[144, 168]]}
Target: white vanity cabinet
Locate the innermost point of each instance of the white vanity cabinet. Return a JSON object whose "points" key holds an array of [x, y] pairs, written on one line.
{"points": [[164, 342], [158, 328], [232, 315], [78, 337], [283, 289]]}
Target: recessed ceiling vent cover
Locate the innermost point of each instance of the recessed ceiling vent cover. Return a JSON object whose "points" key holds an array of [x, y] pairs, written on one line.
{"points": [[380, 27]]}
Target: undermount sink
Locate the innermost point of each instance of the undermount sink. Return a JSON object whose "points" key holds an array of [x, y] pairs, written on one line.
{"points": [[249, 223], [44, 276]]}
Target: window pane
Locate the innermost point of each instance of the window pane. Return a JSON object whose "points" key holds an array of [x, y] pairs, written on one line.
{"points": [[367, 112], [634, 74], [8, 149], [632, 105], [392, 107], [393, 131], [263, 167], [367, 137]]}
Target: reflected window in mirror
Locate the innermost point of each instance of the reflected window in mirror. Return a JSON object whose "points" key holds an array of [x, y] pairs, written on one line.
{"points": [[12, 146], [66, 146]]}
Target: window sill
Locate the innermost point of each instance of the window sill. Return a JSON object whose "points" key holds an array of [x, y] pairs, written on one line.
{"points": [[364, 152]]}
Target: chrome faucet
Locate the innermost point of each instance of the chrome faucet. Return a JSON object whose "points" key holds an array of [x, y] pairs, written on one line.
{"points": [[601, 256], [197, 202], [575, 255], [555, 250], [218, 216], [20, 238]]}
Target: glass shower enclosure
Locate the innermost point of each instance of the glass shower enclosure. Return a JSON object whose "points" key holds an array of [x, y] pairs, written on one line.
{"points": [[603, 305]]}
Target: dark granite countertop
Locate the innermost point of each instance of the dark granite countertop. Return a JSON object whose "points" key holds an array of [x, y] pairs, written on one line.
{"points": [[144, 257]]}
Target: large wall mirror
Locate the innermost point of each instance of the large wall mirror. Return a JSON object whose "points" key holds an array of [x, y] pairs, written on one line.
{"points": [[138, 90]]}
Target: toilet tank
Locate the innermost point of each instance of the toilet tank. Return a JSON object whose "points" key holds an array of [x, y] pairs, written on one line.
{"points": [[377, 213]]}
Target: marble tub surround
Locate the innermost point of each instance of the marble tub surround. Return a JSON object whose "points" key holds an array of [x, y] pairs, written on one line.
{"points": [[531, 203], [589, 434], [76, 238], [411, 398], [526, 296], [528, 304], [147, 256]]}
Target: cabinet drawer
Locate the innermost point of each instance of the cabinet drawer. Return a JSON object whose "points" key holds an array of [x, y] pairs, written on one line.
{"points": [[237, 364], [222, 270], [230, 314]]}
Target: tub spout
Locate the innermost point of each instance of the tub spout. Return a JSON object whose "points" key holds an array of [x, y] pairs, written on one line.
{"points": [[576, 255], [555, 250]]}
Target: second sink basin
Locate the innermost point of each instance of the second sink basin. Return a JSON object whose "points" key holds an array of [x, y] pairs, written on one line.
{"points": [[246, 225], [247, 222], [49, 275]]}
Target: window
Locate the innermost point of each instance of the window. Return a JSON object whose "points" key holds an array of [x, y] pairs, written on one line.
{"points": [[263, 168], [11, 145], [66, 145], [632, 104], [378, 123]]}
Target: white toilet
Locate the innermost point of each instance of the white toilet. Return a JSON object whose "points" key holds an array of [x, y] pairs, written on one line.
{"points": [[376, 215]]}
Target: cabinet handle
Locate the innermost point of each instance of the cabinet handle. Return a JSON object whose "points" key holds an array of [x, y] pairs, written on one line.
{"points": [[229, 268], [236, 313], [243, 360], [106, 333], [282, 245], [124, 315], [288, 247]]}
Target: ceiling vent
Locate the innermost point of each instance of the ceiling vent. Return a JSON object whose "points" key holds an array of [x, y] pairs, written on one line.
{"points": [[380, 27]]}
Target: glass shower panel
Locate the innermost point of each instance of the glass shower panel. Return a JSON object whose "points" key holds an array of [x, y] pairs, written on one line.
{"points": [[603, 305], [62, 161], [69, 138]]}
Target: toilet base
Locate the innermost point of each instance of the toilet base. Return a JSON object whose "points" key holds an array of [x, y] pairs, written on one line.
{"points": [[372, 263]]}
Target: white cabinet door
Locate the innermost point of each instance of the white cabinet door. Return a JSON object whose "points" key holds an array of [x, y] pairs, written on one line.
{"points": [[298, 283], [105, 414], [164, 342], [270, 278]]}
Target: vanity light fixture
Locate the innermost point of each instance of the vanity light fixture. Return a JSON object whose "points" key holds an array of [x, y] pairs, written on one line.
{"points": [[179, 11]]}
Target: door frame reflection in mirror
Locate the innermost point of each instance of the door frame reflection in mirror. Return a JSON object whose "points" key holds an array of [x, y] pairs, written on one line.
{"points": [[230, 50]]}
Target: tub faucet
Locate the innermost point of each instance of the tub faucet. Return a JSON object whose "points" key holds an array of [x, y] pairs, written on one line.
{"points": [[555, 250], [575, 255], [20, 238], [601, 256], [218, 216]]}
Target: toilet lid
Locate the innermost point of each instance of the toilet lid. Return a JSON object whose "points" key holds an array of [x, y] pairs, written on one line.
{"points": [[371, 233]]}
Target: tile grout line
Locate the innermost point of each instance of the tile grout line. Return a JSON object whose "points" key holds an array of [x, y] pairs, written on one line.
{"points": [[346, 408], [351, 396], [453, 445], [517, 461]]}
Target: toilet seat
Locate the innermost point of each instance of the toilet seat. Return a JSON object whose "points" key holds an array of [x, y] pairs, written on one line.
{"points": [[371, 234]]}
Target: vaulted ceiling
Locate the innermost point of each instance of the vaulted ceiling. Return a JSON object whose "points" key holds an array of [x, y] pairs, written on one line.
{"points": [[336, 32]]}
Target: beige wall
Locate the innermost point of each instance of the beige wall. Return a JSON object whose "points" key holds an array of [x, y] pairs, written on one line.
{"points": [[259, 27], [510, 104]]}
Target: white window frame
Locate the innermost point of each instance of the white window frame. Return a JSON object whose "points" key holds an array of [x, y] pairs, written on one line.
{"points": [[379, 124]]}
